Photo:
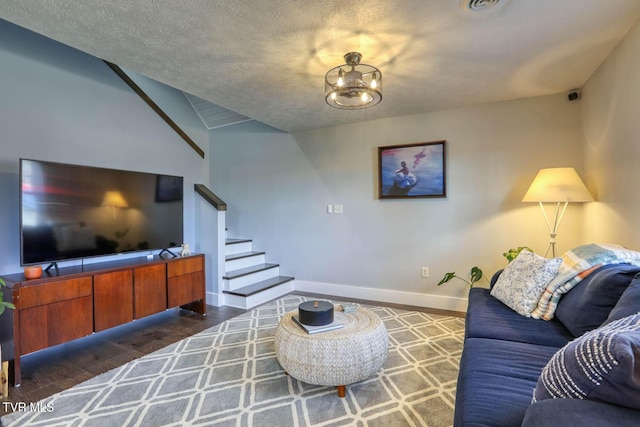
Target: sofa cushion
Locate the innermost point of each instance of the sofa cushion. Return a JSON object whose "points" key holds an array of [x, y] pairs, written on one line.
{"points": [[576, 265], [589, 303], [494, 278], [495, 381], [629, 302], [600, 365], [489, 318], [579, 412], [523, 281]]}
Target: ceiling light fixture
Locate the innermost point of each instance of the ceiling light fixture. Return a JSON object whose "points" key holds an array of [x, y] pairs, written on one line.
{"points": [[353, 85], [478, 5]]}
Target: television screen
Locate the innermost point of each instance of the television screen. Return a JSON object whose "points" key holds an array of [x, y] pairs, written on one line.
{"points": [[70, 211]]}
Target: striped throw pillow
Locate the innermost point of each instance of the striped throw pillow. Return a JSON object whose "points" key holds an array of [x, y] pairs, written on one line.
{"points": [[600, 365]]}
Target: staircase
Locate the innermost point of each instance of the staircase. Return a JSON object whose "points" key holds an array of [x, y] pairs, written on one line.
{"points": [[248, 279]]}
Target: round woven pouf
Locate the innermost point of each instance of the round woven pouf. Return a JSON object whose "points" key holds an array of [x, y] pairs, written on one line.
{"points": [[333, 358]]}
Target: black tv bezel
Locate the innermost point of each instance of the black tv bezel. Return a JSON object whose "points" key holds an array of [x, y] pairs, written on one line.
{"points": [[54, 261]]}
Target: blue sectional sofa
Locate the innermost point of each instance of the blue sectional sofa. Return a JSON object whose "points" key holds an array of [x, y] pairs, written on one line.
{"points": [[505, 353]]}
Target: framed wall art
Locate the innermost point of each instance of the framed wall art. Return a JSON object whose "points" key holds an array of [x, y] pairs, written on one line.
{"points": [[168, 188], [412, 170]]}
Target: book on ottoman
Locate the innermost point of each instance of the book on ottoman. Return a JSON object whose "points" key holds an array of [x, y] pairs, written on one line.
{"points": [[316, 329]]}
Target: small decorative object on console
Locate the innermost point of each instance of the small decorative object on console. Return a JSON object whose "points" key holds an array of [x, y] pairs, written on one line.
{"points": [[349, 308], [33, 272], [315, 313], [185, 250]]}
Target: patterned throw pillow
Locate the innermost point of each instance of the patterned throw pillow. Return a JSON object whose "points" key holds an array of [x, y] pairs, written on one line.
{"points": [[628, 304], [524, 280], [600, 365]]}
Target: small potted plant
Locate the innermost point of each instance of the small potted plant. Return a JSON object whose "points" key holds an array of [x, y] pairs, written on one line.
{"points": [[512, 253], [3, 304], [476, 274]]}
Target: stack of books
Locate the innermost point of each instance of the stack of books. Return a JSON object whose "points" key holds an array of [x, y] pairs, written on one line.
{"points": [[317, 329], [349, 308]]}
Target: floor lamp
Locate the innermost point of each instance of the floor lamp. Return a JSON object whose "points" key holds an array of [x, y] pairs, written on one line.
{"points": [[560, 186]]}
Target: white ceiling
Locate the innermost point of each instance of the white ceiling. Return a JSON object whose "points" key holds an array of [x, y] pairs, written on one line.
{"points": [[214, 116], [266, 59]]}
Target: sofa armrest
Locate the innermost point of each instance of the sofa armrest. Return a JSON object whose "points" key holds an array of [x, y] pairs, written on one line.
{"points": [[578, 412], [494, 278]]}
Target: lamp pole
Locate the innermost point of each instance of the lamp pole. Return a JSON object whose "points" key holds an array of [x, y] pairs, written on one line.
{"points": [[553, 231]]}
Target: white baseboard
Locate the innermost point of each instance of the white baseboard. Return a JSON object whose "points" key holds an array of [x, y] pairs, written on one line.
{"points": [[387, 295], [214, 299]]}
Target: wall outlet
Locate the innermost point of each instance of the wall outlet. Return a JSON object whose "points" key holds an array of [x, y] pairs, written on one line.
{"points": [[425, 271], [337, 208]]}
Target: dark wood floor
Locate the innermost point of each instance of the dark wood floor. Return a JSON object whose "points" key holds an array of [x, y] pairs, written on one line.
{"points": [[56, 369]]}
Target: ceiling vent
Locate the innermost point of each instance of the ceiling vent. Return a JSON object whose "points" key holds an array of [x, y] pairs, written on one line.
{"points": [[479, 5]]}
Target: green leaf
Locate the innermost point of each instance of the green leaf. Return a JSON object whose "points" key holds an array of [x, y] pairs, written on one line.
{"points": [[3, 304], [447, 277], [476, 274], [512, 253]]}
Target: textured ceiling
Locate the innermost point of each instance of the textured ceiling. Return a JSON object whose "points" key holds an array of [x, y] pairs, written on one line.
{"points": [[266, 59]]}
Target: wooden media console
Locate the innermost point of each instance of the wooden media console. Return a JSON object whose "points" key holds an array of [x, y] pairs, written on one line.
{"points": [[81, 300]]}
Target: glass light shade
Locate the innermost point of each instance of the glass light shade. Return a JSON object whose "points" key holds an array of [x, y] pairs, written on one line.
{"points": [[353, 85], [557, 185]]}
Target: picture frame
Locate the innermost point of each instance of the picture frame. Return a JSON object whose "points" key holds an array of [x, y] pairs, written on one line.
{"points": [[412, 171], [168, 188]]}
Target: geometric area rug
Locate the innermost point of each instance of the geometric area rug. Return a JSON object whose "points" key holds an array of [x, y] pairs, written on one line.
{"points": [[228, 375]]}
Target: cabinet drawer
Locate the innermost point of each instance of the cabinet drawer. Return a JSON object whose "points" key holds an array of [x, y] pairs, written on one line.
{"points": [[50, 292], [185, 288], [33, 329], [53, 324], [149, 290], [185, 266], [112, 299], [69, 320]]}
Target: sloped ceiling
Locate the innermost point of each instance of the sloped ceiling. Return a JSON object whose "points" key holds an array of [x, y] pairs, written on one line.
{"points": [[266, 60], [214, 116]]}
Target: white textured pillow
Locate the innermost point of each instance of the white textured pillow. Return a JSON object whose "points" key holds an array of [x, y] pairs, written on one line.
{"points": [[524, 280]]}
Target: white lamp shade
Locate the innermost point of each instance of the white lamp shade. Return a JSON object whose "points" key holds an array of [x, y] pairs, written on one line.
{"points": [[557, 185], [114, 199]]}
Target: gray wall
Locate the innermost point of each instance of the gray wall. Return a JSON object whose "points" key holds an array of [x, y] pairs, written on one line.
{"points": [[278, 185], [611, 111], [59, 104]]}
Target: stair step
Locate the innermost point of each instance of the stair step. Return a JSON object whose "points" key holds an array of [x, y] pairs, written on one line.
{"points": [[235, 241], [237, 246], [229, 275], [260, 286], [243, 255]]}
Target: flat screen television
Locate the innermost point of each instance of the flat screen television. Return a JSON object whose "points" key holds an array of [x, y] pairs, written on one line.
{"points": [[70, 212]]}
